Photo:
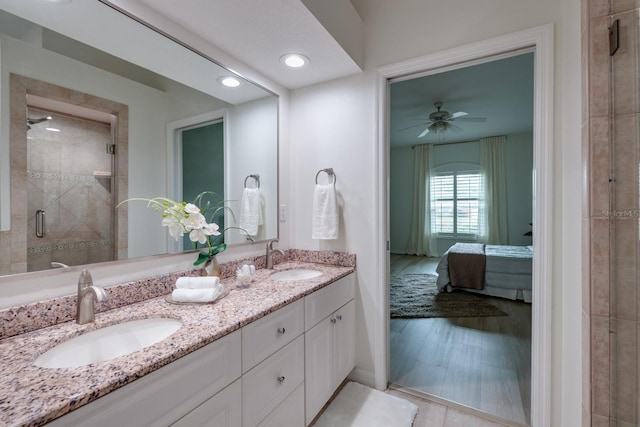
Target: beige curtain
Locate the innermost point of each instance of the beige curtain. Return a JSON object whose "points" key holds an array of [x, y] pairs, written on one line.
{"points": [[421, 240], [493, 209]]}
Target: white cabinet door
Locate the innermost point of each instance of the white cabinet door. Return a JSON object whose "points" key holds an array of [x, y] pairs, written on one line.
{"points": [[325, 301], [222, 410], [344, 341], [318, 367], [329, 357]]}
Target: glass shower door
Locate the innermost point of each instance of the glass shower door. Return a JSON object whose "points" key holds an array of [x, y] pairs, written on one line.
{"points": [[69, 191]]}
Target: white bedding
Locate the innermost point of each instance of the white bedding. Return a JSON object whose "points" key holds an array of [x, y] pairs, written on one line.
{"points": [[507, 274]]}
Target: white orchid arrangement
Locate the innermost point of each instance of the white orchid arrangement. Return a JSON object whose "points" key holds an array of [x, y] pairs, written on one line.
{"points": [[189, 218]]}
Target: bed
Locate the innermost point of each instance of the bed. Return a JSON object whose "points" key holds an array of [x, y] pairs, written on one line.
{"points": [[496, 270]]}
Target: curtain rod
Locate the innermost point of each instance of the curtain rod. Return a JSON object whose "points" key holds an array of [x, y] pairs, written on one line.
{"points": [[449, 143], [446, 143]]}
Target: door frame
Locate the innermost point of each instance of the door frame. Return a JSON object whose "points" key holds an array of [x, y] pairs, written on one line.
{"points": [[174, 156], [540, 39]]}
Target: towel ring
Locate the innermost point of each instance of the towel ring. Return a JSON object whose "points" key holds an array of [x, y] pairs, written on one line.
{"points": [[329, 172], [256, 178]]}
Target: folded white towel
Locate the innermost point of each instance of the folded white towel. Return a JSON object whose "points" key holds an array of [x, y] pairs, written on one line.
{"points": [[325, 213], [196, 295], [251, 211], [199, 282]]}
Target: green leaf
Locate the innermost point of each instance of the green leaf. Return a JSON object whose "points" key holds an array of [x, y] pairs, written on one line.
{"points": [[218, 248], [202, 257]]}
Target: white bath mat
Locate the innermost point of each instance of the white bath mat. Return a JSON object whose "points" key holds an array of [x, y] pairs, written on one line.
{"points": [[360, 406]]}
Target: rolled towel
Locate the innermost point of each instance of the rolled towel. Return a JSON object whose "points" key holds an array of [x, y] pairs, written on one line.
{"points": [[196, 295], [200, 282]]}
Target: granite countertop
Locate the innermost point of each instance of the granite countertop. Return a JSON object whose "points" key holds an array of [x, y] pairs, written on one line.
{"points": [[33, 396]]}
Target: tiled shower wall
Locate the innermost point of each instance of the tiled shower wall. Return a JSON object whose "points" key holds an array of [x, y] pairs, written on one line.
{"points": [[611, 133], [13, 243], [69, 177]]}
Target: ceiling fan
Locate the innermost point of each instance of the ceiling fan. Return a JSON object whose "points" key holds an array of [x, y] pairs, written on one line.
{"points": [[441, 121]]}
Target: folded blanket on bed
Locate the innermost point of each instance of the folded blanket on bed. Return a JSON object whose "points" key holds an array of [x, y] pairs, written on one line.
{"points": [[467, 263]]}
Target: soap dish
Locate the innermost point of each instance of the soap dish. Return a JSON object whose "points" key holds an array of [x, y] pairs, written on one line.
{"points": [[224, 293]]}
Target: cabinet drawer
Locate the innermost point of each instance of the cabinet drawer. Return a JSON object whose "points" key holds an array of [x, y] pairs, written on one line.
{"points": [[265, 336], [222, 410], [325, 301], [289, 413], [269, 383]]}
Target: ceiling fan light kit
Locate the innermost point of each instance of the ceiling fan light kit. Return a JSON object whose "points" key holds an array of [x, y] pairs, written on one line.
{"points": [[440, 121]]}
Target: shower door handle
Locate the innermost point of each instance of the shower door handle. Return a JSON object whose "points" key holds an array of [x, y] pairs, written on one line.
{"points": [[40, 223]]}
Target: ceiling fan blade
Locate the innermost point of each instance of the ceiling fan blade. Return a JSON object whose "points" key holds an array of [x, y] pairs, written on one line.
{"points": [[411, 127], [426, 131], [458, 114], [473, 119]]}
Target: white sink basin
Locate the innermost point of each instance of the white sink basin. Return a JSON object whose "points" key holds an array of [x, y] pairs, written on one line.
{"points": [[108, 343], [296, 274]]}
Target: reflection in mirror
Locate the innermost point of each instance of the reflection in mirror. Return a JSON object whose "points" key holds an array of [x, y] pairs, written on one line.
{"points": [[130, 124], [202, 164], [65, 165], [69, 189]]}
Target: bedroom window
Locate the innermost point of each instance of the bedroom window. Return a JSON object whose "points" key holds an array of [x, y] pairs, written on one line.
{"points": [[455, 203]]}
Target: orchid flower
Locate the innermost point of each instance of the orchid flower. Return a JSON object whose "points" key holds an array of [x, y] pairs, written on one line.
{"points": [[182, 218]]}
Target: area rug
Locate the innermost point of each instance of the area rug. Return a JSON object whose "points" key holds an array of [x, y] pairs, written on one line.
{"points": [[416, 295], [360, 406]]}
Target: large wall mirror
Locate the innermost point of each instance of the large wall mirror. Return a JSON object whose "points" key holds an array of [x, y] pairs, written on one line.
{"points": [[97, 108]]}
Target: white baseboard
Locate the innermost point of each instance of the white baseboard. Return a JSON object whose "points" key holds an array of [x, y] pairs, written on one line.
{"points": [[363, 377]]}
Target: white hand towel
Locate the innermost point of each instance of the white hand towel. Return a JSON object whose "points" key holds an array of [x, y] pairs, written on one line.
{"points": [[196, 295], [201, 282], [325, 213], [251, 215]]}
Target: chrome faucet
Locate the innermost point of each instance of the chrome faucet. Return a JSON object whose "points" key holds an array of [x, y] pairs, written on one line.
{"points": [[88, 294], [270, 252]]}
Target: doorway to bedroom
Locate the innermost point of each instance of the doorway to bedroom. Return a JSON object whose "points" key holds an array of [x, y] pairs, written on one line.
{"points": [[461, 173]]}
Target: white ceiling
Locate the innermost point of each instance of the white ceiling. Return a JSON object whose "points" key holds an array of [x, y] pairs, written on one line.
{"points": [[259, 32], [500, 91]]}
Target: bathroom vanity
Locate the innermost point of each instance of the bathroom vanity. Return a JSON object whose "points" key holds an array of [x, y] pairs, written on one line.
{"points": [[271, 354]]}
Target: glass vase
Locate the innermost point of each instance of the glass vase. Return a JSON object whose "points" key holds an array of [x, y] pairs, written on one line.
{"points": [[211, 267]]}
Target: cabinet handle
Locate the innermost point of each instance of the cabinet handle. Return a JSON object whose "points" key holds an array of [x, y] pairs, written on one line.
{"points": [[280, 379], [339, 316], [333, 320], [281, 331]]}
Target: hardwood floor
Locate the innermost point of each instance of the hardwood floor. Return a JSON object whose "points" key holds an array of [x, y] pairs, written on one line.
{"points": [[479, 362]]}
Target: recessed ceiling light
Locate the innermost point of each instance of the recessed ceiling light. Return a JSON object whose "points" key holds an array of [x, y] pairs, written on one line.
{"points": [[229, 81], [294, 60], [53, 129]]}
